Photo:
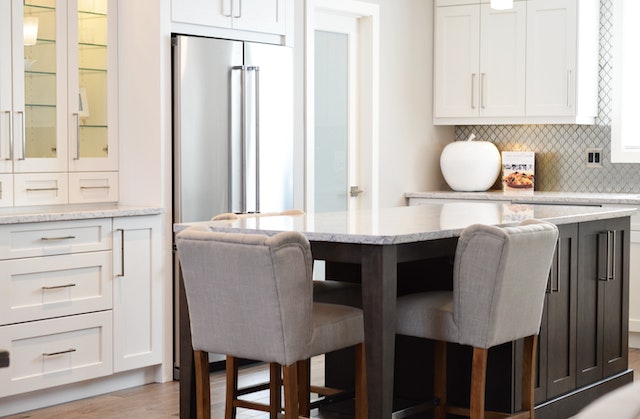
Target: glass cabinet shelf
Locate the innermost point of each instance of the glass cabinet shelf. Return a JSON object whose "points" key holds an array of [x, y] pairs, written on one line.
{"points": [[39, 6]]}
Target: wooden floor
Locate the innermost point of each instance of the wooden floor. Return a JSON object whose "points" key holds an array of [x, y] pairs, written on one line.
{"points": [[161, 400]]}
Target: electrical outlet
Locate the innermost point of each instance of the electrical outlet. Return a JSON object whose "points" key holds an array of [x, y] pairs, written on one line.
{"points": [[594, 157]]}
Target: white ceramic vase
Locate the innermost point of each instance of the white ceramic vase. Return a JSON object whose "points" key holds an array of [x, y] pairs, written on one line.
{"points": [[470, 165]]}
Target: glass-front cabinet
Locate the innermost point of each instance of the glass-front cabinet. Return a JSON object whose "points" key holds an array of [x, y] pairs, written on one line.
{"points": [[58, 98]]}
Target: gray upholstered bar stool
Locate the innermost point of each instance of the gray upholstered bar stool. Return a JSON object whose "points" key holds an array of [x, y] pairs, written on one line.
{"points": [[499, 281], [324, 291], [250, 296]]}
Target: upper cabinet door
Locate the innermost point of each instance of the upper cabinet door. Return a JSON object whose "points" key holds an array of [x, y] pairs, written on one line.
{"points": [[502, 60], [92, 87], [202, 12], [260, 15], [39, 86], [551, 57], [266, 16], [457, 58]]}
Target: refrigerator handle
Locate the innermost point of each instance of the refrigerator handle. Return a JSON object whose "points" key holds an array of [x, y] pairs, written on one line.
{"points": [[243, 176], [256, 94]]}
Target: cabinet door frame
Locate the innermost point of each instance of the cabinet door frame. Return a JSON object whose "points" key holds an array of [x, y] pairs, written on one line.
{"points": [[502, 61], [602, 337], [548, 70], [137, 292], [456, 94], [21, 163], [78, 163], [202, 12], [258, 21]]}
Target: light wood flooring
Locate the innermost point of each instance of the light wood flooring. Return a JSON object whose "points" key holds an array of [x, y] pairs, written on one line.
{"points": [[161, 400]]}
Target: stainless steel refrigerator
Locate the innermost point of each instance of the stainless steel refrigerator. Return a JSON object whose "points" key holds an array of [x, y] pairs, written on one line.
{"points": [[232, 129]]}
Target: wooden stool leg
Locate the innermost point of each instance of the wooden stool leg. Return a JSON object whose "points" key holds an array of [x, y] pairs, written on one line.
{"points": [[361, 383], [275, 393], [440, 379], [232, 387], [478, 382], [290, 380], [203, 393], [304, 376], [528, 374]]}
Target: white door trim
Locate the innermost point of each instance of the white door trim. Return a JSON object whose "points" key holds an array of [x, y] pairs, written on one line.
{"points": [[368, 15]]}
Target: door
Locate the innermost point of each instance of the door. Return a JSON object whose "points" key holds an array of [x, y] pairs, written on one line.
{"points": [[268, 129], [40, 87], [457, 58], [602, 339], [342, 105], [502, 60], [551, 52], [201, 76]]}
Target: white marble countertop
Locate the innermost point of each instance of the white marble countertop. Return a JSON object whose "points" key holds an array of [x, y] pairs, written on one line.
{"points": [[583, 198], [410, 224], [72, 212]]}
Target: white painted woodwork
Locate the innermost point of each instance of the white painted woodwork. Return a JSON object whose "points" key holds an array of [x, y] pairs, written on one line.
{"points": [[137, 292], [6, 190], [93, 187], [456, 61], [502, 60], [83, 340], [40, 189], [54, 286], [54, 238], [543, 54], [268, 16]]}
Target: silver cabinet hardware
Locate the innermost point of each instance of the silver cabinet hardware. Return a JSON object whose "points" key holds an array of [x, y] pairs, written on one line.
{"points": [[57, 238], [55, 287], [68, 351]]}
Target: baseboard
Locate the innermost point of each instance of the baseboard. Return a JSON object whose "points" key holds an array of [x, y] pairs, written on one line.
{"points": [[634, 339], [569, 404], [76, 391]]}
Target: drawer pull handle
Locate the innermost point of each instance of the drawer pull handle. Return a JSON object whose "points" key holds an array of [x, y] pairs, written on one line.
{"points": [[41, 189], [95, 187], [68, 351], [57, 238], [55, 287]]}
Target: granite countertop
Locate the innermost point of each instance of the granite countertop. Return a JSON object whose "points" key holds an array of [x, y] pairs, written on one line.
{"points": [[411, 223], [72, 212], [536, 197]]}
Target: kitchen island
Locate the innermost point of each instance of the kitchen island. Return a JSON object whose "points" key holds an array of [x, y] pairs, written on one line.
{"points": [[388, 246]]}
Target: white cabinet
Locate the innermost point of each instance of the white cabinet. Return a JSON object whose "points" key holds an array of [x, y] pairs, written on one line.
{"points": [[479, 61], [58, 95], [55, 303], [562, 65], [535, 63], [79, 299], [137, 288], [268, 16]]}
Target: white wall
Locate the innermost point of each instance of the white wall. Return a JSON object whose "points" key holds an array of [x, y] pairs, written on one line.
{"points": [[410, 145]]}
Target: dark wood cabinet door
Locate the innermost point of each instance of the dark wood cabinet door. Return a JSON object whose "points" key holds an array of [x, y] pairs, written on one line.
{"points": [[603, 299], [562, 314], [557, 339]]}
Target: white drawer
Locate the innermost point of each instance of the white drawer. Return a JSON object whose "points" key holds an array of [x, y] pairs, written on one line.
{"points": [[54, 352], [40, 189], [91, 187], [53, 286], [54, 238]]}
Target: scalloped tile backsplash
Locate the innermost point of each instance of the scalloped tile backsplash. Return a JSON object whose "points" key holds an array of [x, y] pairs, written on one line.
{"points": [[561, 149]]}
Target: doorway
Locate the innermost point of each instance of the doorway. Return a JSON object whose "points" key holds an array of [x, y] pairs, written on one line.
{"points": [[342, 45]]}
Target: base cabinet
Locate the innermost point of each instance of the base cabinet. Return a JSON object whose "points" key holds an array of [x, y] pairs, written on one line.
{"points": [[603, 299], [137, 311], [557, 340], [79, 299]]}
